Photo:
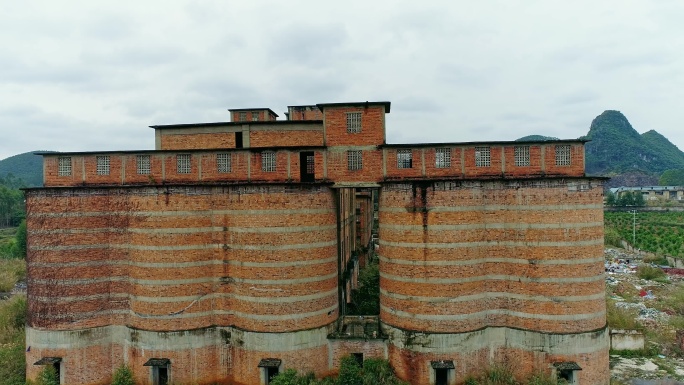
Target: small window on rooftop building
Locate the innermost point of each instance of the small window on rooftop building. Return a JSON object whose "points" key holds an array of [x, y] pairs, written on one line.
{"points": [[563, 155], [404, 158], [354, 160], [353, 122], [183, 163], [255, 116], [483, 157], [242, 116], [223, 162], [102, 164], [442, 157], [268, 161], [64, 166], [522, 155], [143, 164]]}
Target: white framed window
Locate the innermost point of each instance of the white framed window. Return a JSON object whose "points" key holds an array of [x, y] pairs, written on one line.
{"points": [[404, 158], [563, 155], [442, 157], [143, 164], [64, 166], [242, 116], [102, 164], [522, 155], [255, 116], [223, 162], [483, 156], [183, 163], [354, 160], [268, 161], [353, 122]]}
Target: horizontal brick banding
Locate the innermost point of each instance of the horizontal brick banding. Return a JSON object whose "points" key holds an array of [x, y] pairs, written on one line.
{"points": [[260, 258], [463, 256]]}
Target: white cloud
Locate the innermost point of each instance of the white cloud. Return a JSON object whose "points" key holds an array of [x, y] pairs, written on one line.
{"points": [[88, 76]]}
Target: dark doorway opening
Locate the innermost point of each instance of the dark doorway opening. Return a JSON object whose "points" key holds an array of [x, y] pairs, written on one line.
{"points": [[163, 375], [238, 140], [441, 376], [359, 358], [270, 373], [56, 365], [307, 169]]}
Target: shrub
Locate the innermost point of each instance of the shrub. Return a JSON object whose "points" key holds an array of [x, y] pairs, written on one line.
{"points": [[621, 318], [651, 273], [123, 376], [47, 376]]}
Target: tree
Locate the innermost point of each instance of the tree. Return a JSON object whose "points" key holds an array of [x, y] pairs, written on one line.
{"points": [[626, 199], [350, 372], [610, 199], [672, 178], [639, 199], [366, 298], [123, 376], [20, 238]]}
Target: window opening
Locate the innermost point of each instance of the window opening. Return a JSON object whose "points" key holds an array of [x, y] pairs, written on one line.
{"points": [[102, 164], [522, 155], [64, 166], [255, 116], [143, 164], [483, 157], [354, 160], [307, 167], [353, 122], [183, 165], [404, 158], [223, 163], [443, 158], [563, 155], [238, 139], [268, 161], [160, 370], [242, 116]]}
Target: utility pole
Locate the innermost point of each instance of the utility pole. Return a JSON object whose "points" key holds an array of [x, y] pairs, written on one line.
{"points": [[633, 228]]}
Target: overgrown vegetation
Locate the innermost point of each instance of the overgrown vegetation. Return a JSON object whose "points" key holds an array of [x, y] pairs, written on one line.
{"points": [[621, 318], [626, 199], [373, 372], [12, 341], [651, 273], [366, 299], [11, 272], [123, 376], [47, 376], [657, 232]]}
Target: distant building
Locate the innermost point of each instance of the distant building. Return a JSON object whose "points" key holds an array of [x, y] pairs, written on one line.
{"points": [[653, 193], [230, 252]]}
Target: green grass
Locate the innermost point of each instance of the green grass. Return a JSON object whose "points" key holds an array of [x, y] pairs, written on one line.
{"points": [[12, 341], [11, 271]]}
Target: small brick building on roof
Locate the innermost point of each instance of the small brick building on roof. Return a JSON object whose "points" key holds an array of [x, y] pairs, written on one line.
{"points": [[231, 252]]}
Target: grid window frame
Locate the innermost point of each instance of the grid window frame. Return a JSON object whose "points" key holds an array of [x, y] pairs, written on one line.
{"points": [[183, 163], [353, 122], [405, 158], [483, 156], [102, 164], [268, 161], [242, 116], [64, 166], [522, 156], [563, 155], [443, 157], [223, 163], [354, 160], [143, 164], [255, 116]]}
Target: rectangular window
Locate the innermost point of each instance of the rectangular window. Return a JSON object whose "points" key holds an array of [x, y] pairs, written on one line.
{"points": [[64, 166], [268, 161], [443, 157], [353, 122], [354, 160], [143, 164], [183, 165], [404, 158], [522, 155], [223, 162], [563, 155], [242, 116], [255, 116], [102, 164], [483, 157]]}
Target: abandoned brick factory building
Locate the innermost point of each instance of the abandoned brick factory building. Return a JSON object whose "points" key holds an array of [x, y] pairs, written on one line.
{"points": [[230, 252]]}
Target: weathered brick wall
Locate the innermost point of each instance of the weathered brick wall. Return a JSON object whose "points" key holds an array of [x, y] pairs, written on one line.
{"points": [[182, 258], [285, 138], [195, 141], [459, 256]]}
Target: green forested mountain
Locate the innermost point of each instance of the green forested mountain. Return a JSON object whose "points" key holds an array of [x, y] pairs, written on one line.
{"points": [[27, 167], [617, 148], [535, 138]]}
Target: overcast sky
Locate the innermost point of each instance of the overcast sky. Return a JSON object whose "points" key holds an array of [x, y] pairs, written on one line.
{"points": [[93, 75]]}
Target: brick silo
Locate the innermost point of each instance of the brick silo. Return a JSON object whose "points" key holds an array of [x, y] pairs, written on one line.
{"points": [[507, 271]]}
